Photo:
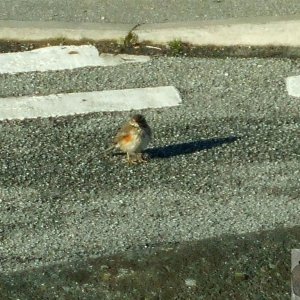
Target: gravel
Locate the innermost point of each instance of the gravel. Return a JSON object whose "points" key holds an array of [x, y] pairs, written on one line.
{"points": [[142, 11], [225, 162]]}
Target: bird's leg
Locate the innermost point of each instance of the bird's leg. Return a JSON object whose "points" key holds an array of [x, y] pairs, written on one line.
{"points": [[129, 158]]}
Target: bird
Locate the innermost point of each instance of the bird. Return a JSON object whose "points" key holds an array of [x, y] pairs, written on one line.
{"points": [[132, 138]]}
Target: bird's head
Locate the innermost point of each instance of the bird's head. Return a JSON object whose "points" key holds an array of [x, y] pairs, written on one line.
{"points": [[138, 120]]}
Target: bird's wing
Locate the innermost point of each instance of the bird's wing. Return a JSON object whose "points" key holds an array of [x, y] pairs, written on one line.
{"points": [[124, 134]]}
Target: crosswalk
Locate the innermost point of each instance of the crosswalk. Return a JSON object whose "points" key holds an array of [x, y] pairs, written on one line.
{"points": [[87, 102], [70, 57], [56, 58], [293, 86]]}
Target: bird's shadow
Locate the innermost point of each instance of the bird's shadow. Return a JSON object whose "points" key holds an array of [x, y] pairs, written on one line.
{"points": [[188, 148]]}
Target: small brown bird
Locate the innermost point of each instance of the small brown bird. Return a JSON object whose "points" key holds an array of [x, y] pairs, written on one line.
{"points": [[133, 137]]}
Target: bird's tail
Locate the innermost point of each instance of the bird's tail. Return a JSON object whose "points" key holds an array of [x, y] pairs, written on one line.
{"points": [[108, 149]]}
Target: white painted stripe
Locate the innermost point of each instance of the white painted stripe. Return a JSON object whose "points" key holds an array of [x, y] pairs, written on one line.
{"points": [[80, 103], [293, 86], [62, 58]]}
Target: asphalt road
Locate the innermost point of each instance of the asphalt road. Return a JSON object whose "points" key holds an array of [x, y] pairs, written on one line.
{"points": [[142, 11], [224, 162]]}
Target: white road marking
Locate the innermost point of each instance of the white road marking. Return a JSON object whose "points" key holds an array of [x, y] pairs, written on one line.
{"points": [[80, 103], [293, 86], [62, 58]]}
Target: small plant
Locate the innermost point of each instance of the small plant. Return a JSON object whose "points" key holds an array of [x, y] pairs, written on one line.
{"points": [[130, 40], [176, 47], [61, 41]]}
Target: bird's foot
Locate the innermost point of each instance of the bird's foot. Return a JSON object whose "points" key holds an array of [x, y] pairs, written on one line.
{"points": [[140, 158], [137, 158]]}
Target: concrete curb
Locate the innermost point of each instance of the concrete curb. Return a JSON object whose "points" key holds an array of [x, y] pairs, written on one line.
{"points": [[264, 31], [261, 31], [37, 31]]}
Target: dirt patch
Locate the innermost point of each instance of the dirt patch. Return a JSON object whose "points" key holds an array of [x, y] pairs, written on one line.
{"points": [[174, 48]]}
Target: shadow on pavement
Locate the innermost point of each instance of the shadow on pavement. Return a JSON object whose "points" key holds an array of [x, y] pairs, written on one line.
{"points": [[188, 148], [251, 266]]}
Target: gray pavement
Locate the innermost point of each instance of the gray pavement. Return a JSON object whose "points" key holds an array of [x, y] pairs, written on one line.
{"points": [[225, 162], [142, 11]]}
